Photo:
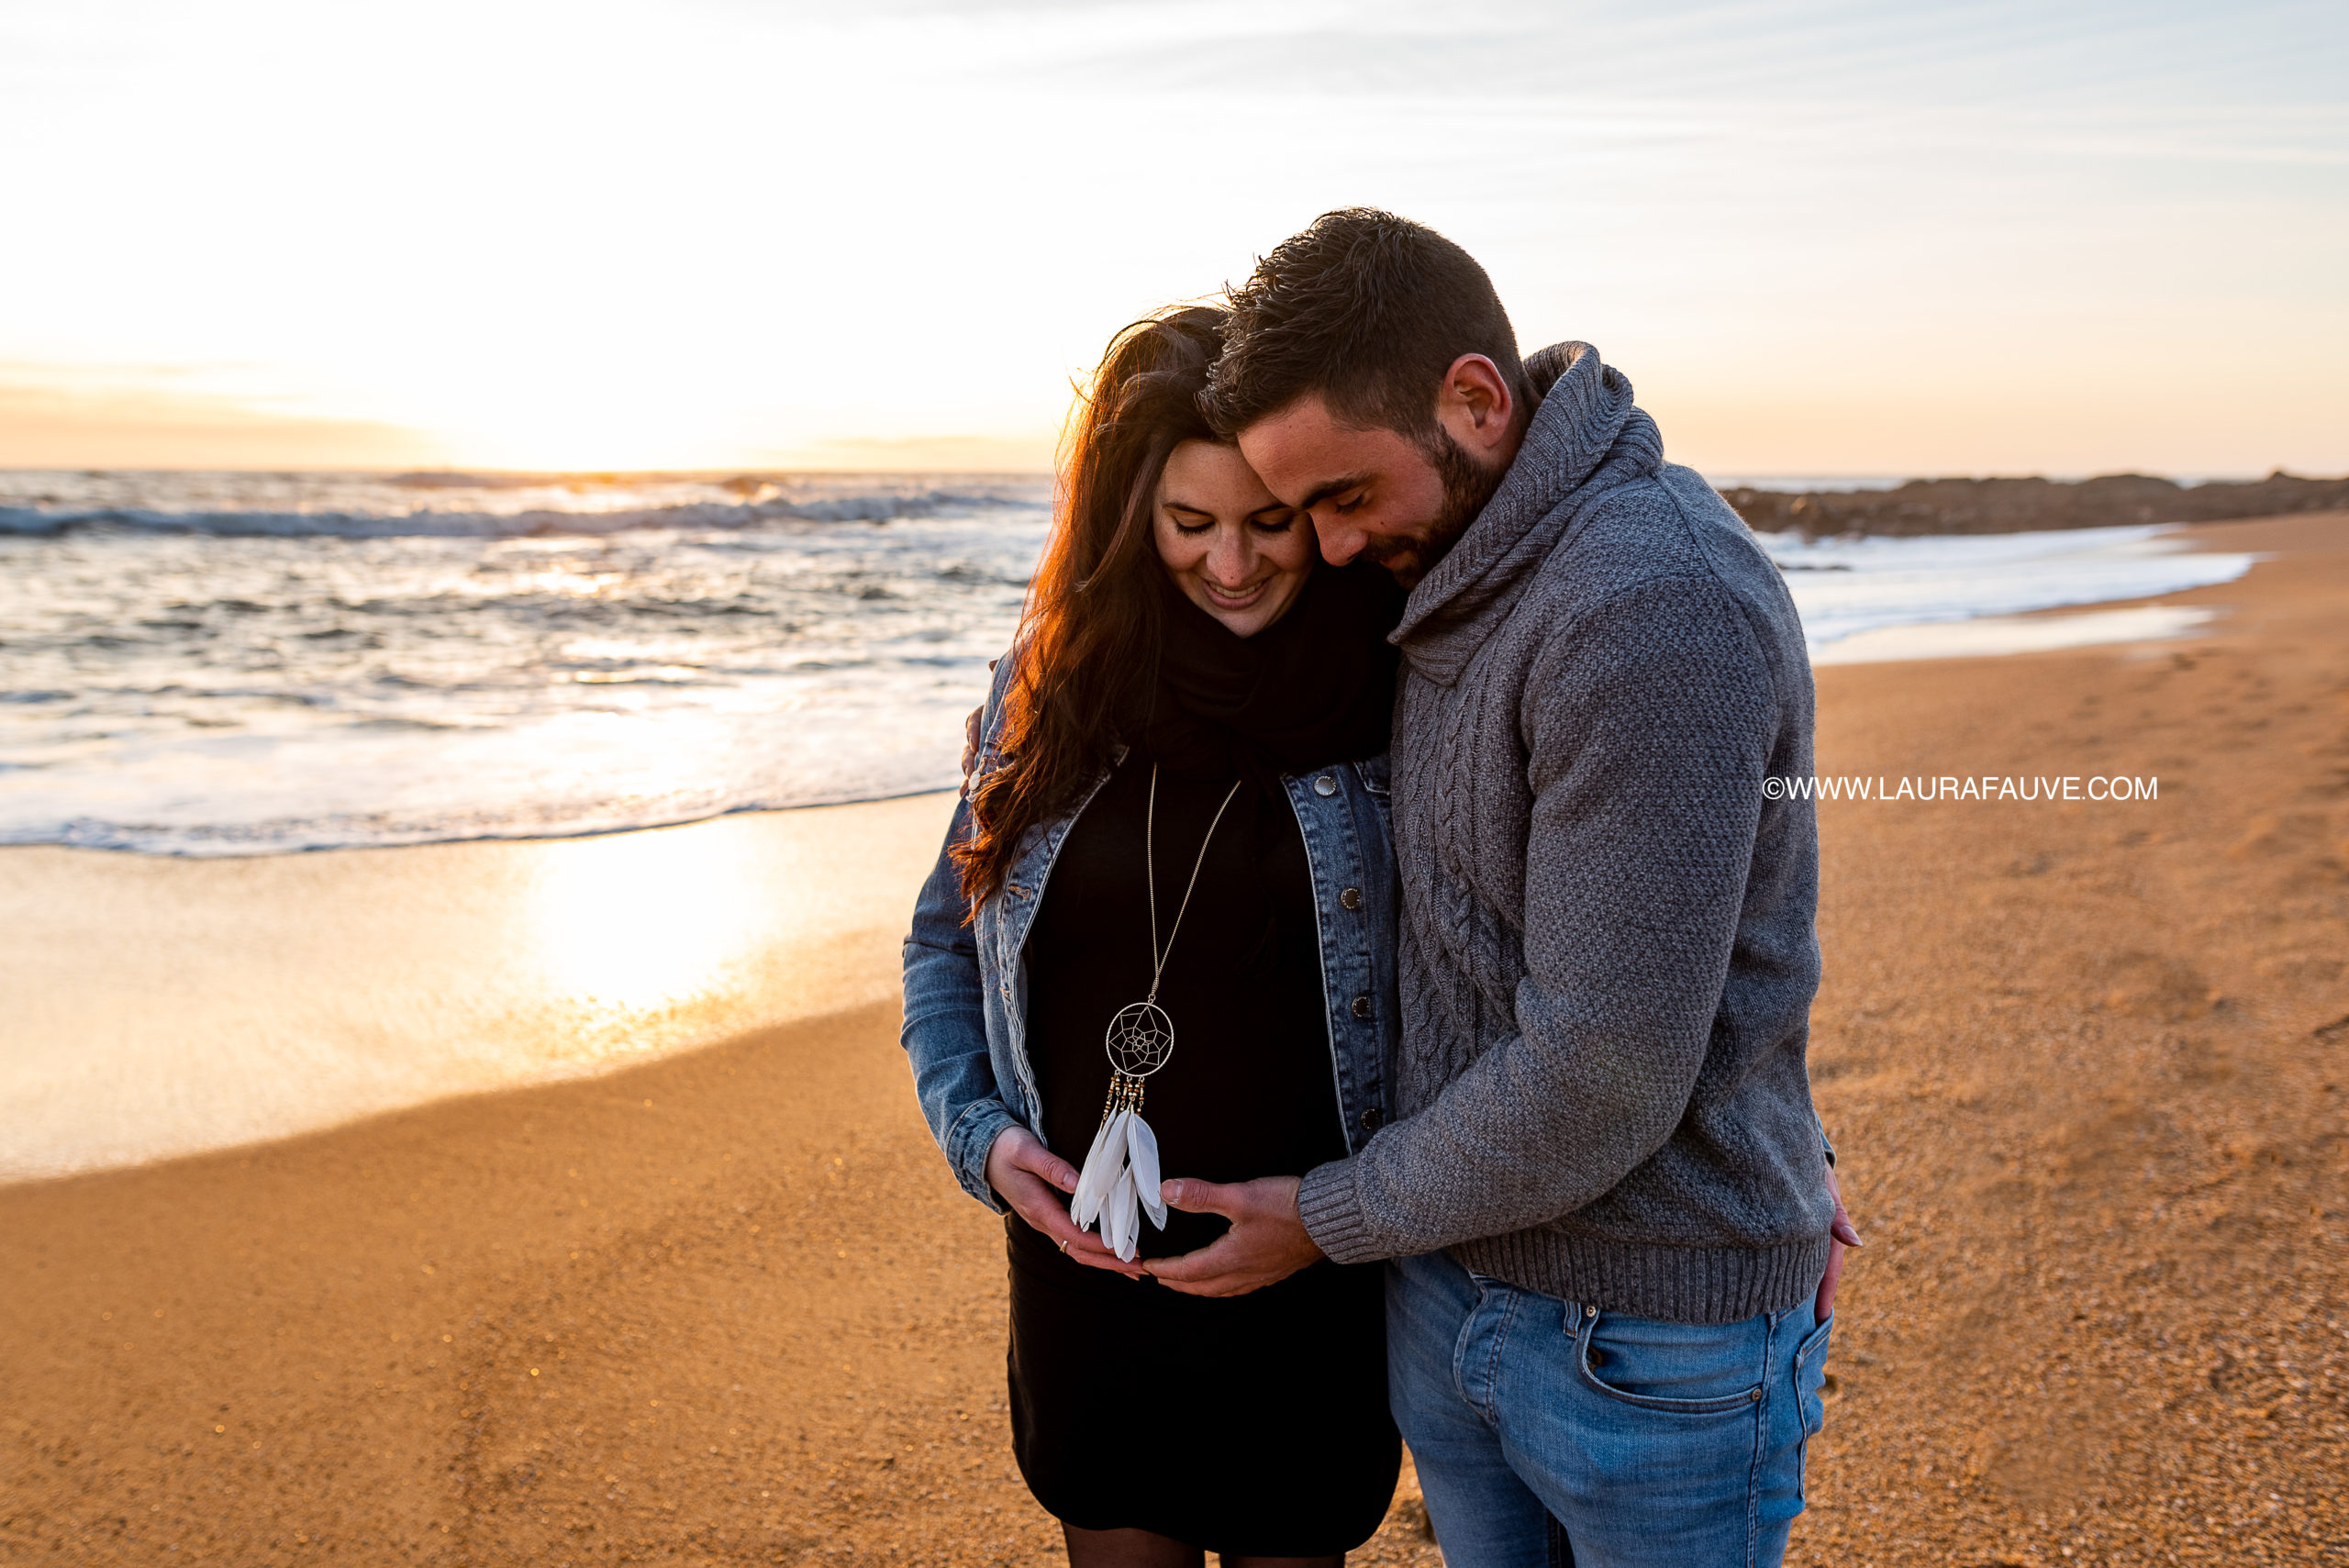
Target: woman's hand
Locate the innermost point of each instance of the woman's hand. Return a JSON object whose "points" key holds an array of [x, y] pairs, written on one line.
{"points": [[1033, 1180], [971, 748]]}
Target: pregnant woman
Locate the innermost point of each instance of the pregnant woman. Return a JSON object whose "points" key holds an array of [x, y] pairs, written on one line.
{"points": [[1161, 939]]}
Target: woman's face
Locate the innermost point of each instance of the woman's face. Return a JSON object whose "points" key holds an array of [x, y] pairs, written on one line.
{"points": [[1235, 551]]}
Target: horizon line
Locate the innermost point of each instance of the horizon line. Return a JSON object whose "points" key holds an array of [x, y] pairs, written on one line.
{"points": [[616, 475]]}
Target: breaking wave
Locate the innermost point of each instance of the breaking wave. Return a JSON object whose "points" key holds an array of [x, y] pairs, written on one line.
{"points": [[544, 522]]}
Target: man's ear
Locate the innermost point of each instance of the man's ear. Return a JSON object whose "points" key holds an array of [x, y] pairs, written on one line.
{"points": [[1474, 405]]}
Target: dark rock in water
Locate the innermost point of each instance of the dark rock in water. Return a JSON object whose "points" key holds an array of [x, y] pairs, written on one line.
{"points": [[2022, 505]]}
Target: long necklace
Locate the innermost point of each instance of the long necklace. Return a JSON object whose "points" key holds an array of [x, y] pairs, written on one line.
{"points": [[1120, 1175]]}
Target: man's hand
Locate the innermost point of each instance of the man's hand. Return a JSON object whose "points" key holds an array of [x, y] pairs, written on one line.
{"points": [[1030, 1178], [1266, 1243], [1840, 1235]]}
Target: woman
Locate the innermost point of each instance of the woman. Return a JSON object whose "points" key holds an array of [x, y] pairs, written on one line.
{"points": [[1180, 800]]}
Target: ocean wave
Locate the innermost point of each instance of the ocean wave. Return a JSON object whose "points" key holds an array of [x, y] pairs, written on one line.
{"points": [[208, 664], [52, 522]]}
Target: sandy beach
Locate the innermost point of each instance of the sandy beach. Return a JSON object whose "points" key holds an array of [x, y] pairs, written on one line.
{"points": [[2084, 1062]]}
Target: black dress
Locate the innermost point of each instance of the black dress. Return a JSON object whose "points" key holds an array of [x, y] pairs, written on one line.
{"points": [[1253, 1425]]}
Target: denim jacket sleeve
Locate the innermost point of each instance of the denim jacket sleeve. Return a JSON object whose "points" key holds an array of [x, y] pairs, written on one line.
{"points": [[945, 1030]]}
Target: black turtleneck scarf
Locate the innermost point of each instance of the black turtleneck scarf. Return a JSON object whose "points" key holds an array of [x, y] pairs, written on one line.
{"points": [[1315, 687]]}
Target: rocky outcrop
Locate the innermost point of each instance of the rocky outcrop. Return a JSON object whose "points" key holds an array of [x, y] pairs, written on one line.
{"points": [[2018, 505]]}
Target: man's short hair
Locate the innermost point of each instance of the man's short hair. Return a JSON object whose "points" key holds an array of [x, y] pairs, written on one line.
{"points": [[1369, 310]]}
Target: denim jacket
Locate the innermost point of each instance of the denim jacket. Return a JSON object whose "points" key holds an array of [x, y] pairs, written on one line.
{"points": [[966, 981]]}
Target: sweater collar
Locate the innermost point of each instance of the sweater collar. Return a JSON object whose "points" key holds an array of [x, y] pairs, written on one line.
{"points": [[1587, 436]]}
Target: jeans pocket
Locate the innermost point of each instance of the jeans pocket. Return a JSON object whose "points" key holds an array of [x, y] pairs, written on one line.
{"points": [[1811, 1379], [1663, 1355]]}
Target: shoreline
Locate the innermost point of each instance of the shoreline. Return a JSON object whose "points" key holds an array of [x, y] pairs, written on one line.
{"points": [[551, 838]]}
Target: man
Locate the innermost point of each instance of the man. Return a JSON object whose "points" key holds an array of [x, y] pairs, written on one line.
{"points": [[1609, 1199]]}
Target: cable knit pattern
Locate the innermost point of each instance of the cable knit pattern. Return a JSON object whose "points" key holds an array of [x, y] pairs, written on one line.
{"points": [[1608, 949]]}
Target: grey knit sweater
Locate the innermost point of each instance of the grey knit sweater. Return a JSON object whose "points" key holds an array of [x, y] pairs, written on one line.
{"points": [[1607, 944]]}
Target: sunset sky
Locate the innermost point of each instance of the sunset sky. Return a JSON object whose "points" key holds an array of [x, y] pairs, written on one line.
{"points": [[1822, 239]]}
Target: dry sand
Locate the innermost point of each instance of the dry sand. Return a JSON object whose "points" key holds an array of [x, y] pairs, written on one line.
{"points": [[2083, 1064], [2086, 1067]]}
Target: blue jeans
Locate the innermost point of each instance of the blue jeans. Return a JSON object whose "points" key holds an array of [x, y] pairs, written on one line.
{"points": [[1651, 1442]]}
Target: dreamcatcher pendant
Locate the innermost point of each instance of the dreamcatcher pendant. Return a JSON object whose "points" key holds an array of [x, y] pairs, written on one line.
{"points": [[1119, 1179]]}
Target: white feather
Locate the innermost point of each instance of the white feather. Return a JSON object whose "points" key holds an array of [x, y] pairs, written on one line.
{"points": [[1121, 1224], [1141, 1149], [1099, 1174]]}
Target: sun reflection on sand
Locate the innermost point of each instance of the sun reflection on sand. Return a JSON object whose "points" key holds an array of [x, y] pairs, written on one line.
{"points": [[645, 921], [163, 1005]]}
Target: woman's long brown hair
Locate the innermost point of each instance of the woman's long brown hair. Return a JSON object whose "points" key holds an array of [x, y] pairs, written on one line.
{"points": [[1088, 641]]}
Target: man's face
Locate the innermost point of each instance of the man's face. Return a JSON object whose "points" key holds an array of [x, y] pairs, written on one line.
{"points": [[1371, 491]]}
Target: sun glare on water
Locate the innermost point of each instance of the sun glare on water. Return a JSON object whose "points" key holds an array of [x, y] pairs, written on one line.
{"points": [[641, 922]]}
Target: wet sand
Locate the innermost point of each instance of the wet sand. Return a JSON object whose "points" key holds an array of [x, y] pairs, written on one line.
{"points": [[2084, 1064], [165, 1006]]}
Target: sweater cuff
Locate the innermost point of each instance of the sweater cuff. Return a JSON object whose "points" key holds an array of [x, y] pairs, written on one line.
{"points": [[1331, 1206]]}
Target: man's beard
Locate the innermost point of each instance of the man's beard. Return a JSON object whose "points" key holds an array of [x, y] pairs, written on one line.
{"points": [[1466, 488]]}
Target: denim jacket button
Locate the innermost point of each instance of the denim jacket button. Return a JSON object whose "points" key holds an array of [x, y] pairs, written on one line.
{"points": [[1361, 1007], [1370, 1118], [1351, 898], [1325, 785]]}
